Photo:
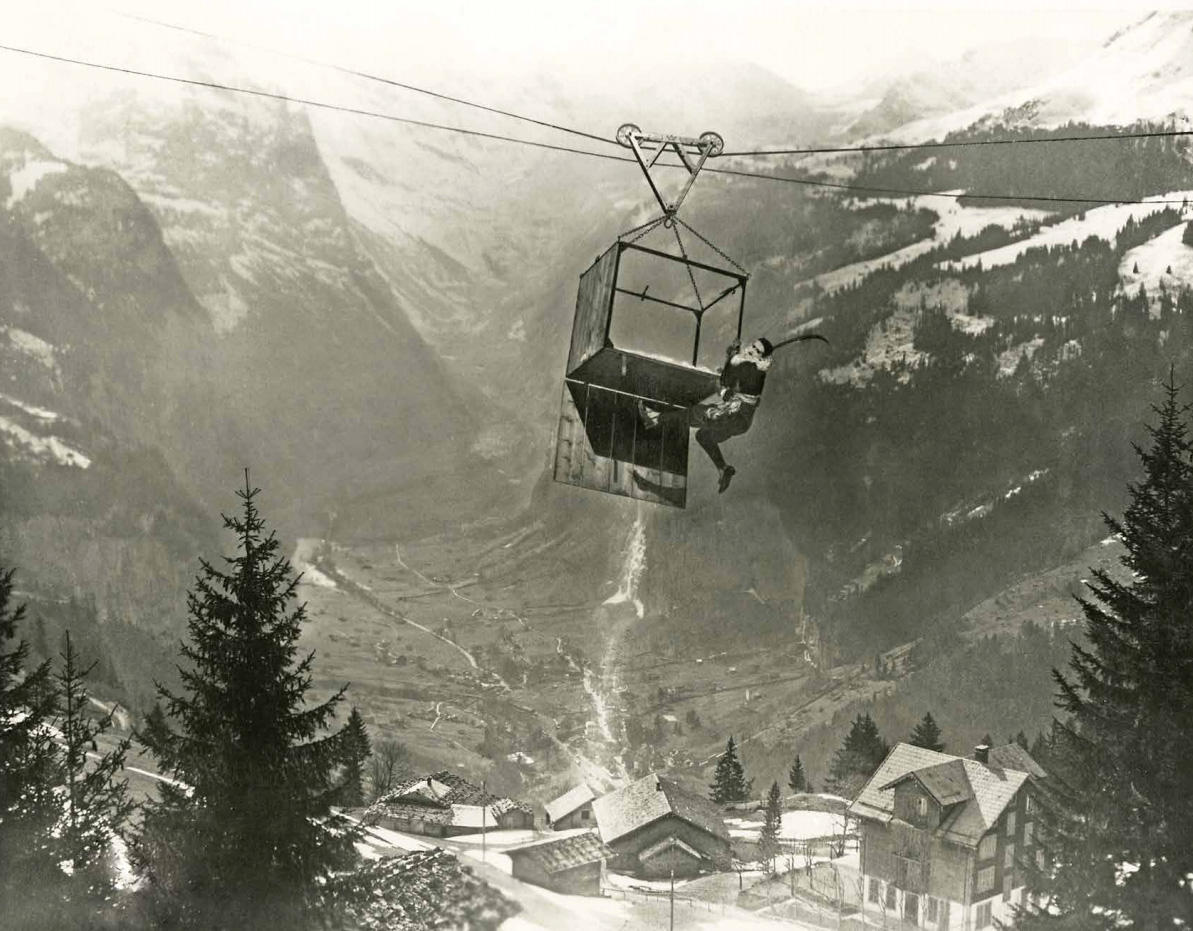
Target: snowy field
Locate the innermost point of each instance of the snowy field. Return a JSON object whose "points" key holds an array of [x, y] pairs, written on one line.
{"points": [[1102, 222], [797, 825], [1154, 259], [953, 218]]}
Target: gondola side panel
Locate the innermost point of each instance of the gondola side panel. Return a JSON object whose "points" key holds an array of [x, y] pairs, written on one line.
{"points": [[594, 303]]}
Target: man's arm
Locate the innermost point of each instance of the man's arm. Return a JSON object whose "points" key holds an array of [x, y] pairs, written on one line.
{"points": [[730, 351]]}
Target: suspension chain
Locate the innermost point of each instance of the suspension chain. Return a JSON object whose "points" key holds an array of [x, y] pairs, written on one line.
{"points": [[687, 264], [710, 245], [642, 230]]}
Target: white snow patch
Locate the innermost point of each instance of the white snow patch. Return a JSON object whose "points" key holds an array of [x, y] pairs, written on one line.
{"points": [[46, 416], [889, 342], [1008, 359], [33, 346], [1102, 222], [1154, 259], [312, 576], [28, 176], [43, 447]]}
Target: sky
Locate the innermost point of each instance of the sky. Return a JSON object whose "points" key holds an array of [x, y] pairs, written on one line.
{"points": [[817, 46]]}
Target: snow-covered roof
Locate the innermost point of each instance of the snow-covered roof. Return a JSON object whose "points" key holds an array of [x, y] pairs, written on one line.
{"points": [[650, 798], [568, 802], [563, 852], [978, 793]]}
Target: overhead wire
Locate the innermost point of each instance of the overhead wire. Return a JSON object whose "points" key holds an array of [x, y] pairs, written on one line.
{"points": [[959, 143], [425, 124], [368, 76]]}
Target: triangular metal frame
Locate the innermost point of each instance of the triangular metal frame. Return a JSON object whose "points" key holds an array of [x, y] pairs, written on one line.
{"points": [[692, 154]]}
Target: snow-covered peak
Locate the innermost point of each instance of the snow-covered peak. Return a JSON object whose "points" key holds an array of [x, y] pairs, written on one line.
{"points": [[1144, 72]]}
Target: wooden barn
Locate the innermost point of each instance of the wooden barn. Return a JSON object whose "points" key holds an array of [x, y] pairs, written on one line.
{"points": [[573, 809], [444, 804], [572, 862], [945, 839], [654, 826]]}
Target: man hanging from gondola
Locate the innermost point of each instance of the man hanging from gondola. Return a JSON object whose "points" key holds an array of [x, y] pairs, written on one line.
{"points": [[742, 379], [730, 414]]}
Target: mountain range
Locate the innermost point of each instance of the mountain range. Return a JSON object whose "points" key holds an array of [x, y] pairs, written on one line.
{"points": [[373, 319]]}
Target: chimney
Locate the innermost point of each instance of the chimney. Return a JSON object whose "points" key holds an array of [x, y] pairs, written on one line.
{"points": [[658, 784], [981, 753]]}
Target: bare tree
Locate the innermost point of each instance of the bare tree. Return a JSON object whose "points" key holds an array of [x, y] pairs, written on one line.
{"points": [[388, 767]]}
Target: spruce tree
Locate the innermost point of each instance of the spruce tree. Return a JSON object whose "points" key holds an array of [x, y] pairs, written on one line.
{"points": [[729, 779], [796, 780], [1118, 820], [28, 773], [241, 838], [927, 734], [768, 839], [96, 804], [358, 750], [859, 756]]}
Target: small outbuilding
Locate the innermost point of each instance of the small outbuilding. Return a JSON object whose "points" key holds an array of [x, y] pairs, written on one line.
{"points": [[654, 827], [571, 862], [573, 809]]}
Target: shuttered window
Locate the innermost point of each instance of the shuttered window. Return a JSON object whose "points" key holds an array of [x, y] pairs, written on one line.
{"points": [[988, 847], [986, 879]]}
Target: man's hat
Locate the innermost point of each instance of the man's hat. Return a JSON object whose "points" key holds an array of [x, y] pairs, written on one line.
{"points": [[767, 345]]}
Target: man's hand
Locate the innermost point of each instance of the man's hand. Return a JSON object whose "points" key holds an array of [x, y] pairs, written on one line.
{"points": [[733, 347]]}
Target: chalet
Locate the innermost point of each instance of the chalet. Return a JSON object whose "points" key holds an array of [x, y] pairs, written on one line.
{"points": [[444, 804], [570, 862], [944, 838], [654, 827], [573, 809]]}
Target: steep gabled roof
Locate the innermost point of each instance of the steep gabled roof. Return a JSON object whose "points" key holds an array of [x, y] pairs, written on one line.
{"points": [[1013, 756], [946, 782], [563, 852], [650, 798], [568, 802], [446, 788], [990, 789]]}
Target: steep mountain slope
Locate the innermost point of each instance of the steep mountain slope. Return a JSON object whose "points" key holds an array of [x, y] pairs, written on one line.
{"points": [[1141, 73]]}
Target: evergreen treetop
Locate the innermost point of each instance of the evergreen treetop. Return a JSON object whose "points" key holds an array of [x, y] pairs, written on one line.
{"points": [[927, 734], [239, 838], [797, 781], [859, 756], [729, 779], [768, 839]]}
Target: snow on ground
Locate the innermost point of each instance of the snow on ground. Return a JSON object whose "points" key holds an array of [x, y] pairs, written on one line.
{"points": [[1154, 259], [312, 576], [510, 838], [952, 218], [27, 177], [1008, 359], [43, 447], [33, 410], [496, 860], [797, 825], [1103, 222], [33, 346], [888, 342]]}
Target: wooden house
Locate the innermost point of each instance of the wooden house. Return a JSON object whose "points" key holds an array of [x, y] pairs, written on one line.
{"points": [[654, 827], [445, 804], [572, 862], [944, 838], [573, 809]]}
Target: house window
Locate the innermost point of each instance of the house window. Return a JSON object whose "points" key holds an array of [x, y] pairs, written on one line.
{"points": [[1028, 829], [911, 908], [875, 890], [890, 896], [1010, 824], [1039, 858], [930, 911], [986, 879], [944, 913], [1029, 805], [922, 806], [584, 814], [984, 915], [1008, 859], [988, 847]]}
